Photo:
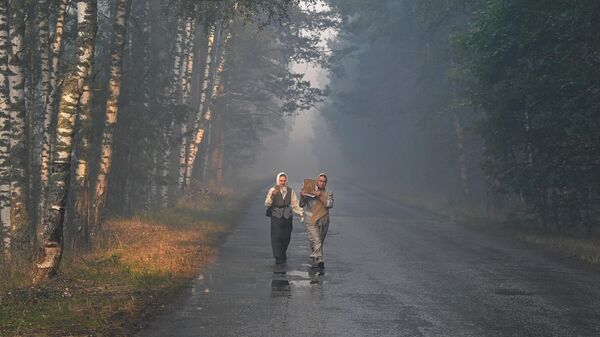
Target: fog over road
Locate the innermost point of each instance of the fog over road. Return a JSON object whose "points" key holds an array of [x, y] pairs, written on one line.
{"points": [[390, 271]]}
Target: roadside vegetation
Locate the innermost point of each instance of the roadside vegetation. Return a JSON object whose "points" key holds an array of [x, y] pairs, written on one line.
{"points": [[579, 245], [136, 266]]}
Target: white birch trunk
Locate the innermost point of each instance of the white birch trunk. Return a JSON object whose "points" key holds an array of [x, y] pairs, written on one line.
{"points": [[49, 99], [185, 75], [176, 94], [44, 52], [5, 224], [58, 183], [82, 171], [216, 90], [112, 108], [188, 63], [198, 131], [18, 144], [178, 61]]}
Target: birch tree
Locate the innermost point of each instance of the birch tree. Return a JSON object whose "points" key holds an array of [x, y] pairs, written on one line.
{"points": [[198, 131], [177, 92], [49, 90], [52, 245], [18, 143], [203, 118], [4, 132], [82, 171], [112, 109], [43, 30], [216, 90]]}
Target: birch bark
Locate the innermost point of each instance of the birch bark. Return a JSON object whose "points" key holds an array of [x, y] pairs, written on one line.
{"points": [[43, 48], [198, 131], [52, 245], [217, 88], [18, 143], [5, 223], [82, 171], [49, 100], [112, 109], [185, 79], [177, 94]]}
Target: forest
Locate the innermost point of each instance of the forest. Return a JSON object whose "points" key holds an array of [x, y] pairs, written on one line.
{"points": [[486, 105], [120, 108]]}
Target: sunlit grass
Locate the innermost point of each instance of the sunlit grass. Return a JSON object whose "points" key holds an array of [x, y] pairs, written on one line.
{"points": [[135, 266]]}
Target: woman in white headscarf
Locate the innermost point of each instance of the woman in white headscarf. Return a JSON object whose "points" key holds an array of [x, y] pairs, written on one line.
{"points": [[283, 203], [316, 207]]}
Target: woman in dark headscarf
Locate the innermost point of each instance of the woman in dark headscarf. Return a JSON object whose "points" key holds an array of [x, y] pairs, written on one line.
{"points": [[283, 201]]}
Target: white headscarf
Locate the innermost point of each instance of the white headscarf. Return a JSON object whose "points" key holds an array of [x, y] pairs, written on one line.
{"points": [[279, 175], [284, 188]]}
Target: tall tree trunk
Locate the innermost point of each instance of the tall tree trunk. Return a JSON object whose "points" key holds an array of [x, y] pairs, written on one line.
{"points": [[186, 80], [205, 130], [82, 170], [177, 94], [112, 108], [31, 72], [52, 245], [4, 133], [83, 150], [165, 160], [43, 49], [216, 91], [18, 145], [49, 100], [188, 62], [198, 130]]}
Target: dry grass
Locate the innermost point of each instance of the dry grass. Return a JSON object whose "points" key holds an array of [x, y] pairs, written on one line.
{"points": [[135, 267], [158, 249]]}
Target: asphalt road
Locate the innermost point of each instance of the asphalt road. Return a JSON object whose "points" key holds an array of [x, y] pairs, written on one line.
{"points": [[390, 271]]}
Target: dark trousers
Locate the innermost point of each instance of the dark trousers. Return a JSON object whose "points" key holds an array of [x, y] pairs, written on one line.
{"points": [[281, 231]]}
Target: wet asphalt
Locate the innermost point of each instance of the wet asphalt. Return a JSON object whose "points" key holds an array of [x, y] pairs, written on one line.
{"points": [[389, 270]]}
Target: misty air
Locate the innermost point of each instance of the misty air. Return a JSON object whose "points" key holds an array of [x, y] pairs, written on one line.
{"points": [[299, 168]]}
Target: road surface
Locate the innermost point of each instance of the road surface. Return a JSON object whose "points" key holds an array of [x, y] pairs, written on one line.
{"points": [[390, 271]]}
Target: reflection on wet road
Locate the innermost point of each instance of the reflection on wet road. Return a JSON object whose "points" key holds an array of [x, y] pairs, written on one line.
{"points": [[390, 271]]}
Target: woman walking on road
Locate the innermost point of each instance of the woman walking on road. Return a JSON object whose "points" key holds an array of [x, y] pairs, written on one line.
{"points": [[316, 206], [282, 201]]}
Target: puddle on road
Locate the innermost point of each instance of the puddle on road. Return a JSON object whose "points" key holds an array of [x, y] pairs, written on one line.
{"points": [[280, 285], [298, 273], [283, 281], [305, 283]]}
